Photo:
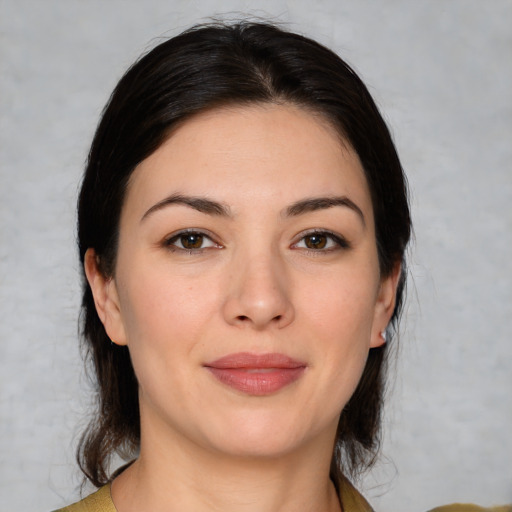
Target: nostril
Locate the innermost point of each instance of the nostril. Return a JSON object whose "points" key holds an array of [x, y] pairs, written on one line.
{"points": [[245, 318]]}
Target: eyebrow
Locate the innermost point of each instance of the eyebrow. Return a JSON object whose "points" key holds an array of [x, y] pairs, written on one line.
{"points": [[323, 203], [201, 204], [210, 207]]}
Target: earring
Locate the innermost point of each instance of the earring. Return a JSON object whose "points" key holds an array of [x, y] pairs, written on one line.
{"points": [[383, 335]]}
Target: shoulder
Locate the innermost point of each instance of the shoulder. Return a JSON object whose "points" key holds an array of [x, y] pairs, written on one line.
{"points": [[351, 499], [100, 501], [459, 507]]}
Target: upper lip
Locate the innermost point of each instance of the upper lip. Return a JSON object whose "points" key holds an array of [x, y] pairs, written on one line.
{"points": [[249, 360]]}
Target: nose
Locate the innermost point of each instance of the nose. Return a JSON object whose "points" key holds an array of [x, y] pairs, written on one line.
{"points": [[258, 293]]}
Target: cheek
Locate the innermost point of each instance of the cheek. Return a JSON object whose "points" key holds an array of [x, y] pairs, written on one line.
{"points": [[341, 320], [342, 306], [155, 302], [162, 330], [165, 320]]}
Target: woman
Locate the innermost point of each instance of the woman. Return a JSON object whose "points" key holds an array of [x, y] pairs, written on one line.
{"points": [[242, 226]]}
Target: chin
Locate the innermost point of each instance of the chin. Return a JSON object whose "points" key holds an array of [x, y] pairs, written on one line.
{"points": [[260, 434]]}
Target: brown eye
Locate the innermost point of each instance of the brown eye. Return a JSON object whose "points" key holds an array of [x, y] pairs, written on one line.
{"points": [[191, 240], [316, 241], [322, 242]]}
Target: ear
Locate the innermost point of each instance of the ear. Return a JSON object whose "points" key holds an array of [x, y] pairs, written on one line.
{"points": [[384, 307], [106, 298]]}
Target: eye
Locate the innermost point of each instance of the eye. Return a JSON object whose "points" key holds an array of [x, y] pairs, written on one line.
{"points": [[321, 241], [190, 241]]}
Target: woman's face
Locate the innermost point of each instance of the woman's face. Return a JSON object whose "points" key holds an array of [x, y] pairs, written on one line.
{"points": [[247, 283]]}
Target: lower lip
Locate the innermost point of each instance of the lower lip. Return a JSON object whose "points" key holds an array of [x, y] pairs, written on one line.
{"points": [[257, 381]]}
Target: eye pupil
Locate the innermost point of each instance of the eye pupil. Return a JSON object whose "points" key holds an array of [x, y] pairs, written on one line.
{"points": [[191, 240], [316, 241]]}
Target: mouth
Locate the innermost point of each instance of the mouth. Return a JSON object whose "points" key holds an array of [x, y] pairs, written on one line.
{"points": [[256, 374]]}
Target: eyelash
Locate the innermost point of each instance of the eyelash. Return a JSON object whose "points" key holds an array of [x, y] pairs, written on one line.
{"points": [[336, 241], [170, 243]]}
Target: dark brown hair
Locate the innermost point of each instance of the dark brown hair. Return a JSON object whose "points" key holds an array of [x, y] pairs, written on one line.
{"points": [[206, 67]]}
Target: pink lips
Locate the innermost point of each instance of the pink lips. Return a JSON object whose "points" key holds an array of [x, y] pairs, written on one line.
{"points": [[256, 374]]}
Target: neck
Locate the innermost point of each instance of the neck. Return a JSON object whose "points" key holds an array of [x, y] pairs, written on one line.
{"points": [[177, 475]]}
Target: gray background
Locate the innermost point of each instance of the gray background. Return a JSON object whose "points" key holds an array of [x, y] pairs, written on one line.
{"points": [[442, 73]]}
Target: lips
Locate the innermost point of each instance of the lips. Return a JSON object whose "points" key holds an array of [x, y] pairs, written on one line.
{"points": [[256, 374]]}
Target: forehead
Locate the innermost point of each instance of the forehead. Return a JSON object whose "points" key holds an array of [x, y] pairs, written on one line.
{"points": [[253, 154]]}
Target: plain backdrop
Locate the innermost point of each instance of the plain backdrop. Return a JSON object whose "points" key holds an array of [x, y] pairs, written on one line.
{"points": [[441, 71]]}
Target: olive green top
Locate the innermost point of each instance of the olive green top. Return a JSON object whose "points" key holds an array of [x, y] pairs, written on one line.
{"points": [[461, 507], [100, 501]]}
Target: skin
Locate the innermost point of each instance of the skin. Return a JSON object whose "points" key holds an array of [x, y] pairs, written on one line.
{"points": [[257, 283]]}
